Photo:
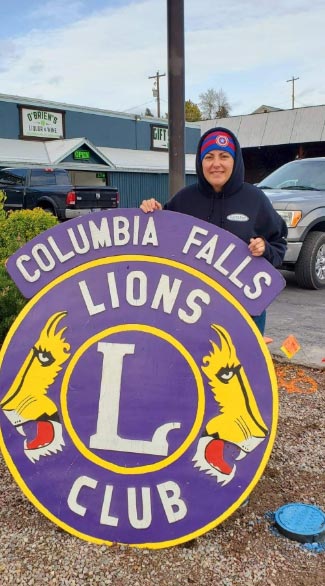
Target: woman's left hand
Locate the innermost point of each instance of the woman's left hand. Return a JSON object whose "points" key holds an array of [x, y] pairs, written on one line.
{"points": [[256, 246]]}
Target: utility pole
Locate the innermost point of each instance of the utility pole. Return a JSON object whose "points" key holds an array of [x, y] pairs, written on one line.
{"points": [[156, 90], [176, 94], [292, 80]]}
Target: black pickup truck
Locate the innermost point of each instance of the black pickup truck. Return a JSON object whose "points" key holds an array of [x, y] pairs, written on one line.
{"points": [[51, 189]]}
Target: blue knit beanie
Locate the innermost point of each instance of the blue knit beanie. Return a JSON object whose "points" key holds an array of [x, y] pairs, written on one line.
{"points": [[220, 141]]}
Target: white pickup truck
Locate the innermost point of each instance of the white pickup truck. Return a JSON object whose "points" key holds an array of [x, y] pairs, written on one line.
{"points": [[297, 193]]}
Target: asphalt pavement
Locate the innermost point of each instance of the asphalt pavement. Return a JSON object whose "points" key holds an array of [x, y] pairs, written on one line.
{"points": [[300, 313]]}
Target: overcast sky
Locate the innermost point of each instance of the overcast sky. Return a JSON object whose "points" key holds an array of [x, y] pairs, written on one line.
{"points": [[100, 53]]}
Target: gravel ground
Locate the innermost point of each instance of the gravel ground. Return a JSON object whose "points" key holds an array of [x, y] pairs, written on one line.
{"points": [[244, 550]]}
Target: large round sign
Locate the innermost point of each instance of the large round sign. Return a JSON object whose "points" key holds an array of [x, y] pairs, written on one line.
{"points": [[138, 400]]}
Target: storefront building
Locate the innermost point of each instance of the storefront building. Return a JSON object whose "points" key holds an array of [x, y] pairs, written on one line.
{"points": [[131, 151], [128, 151]]}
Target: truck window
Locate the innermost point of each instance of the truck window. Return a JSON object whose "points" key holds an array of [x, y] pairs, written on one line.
{"points": [[62, 177], [42, 177], [12, 177], [49, 176]]}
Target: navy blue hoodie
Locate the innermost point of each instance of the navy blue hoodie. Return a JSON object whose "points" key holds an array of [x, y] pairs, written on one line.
{"points": [[241, 208]]}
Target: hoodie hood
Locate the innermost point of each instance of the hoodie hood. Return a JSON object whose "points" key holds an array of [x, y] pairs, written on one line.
{"points": [[236, 180]]}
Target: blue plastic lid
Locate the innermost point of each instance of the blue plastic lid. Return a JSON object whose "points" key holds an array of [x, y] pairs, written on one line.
{"points": [[304, 523]]}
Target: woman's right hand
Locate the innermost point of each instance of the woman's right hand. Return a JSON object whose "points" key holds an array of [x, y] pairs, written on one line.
{"points": [[150, 205]]}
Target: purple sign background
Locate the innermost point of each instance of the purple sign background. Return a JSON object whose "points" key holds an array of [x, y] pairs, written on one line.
{"points": [[109, 298]]}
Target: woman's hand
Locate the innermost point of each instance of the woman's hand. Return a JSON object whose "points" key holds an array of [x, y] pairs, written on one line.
{"points": [[150, 205], [256, 246]]}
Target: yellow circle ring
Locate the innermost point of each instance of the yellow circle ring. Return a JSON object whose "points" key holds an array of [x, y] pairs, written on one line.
{"points": [[200, 403]]}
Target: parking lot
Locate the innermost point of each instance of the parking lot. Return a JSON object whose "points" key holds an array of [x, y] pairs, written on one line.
{"points": [[301, 313]]}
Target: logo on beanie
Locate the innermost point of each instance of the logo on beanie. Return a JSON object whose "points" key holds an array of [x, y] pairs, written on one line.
{"points": [[222, 140]]}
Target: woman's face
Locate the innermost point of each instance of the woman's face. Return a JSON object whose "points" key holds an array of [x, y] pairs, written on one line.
{"points": [[217, 168]]}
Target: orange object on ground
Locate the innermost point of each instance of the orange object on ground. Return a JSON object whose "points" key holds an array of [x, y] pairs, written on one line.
{"points": [[290, 346]]}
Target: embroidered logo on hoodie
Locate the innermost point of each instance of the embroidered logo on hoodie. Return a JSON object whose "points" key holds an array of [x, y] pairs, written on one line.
{"points": [[238, 218]]}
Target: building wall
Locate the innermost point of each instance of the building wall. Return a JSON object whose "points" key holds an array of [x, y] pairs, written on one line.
{"points": [[134, 187], [9, 120], [103, 129], [121, 133]]}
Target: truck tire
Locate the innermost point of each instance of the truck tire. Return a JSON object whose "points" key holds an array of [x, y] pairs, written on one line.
{"points": [[49, 210], [310, 266]]}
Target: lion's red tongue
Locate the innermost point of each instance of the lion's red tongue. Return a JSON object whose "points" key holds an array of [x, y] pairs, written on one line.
{"points": [[214, 456], [44, 435]]}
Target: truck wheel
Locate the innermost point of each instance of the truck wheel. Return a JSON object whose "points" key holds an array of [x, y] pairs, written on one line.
{"points": [[310, 266], [49, 210]]}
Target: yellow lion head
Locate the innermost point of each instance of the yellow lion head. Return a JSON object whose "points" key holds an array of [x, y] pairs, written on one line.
{"points": [[27, 400], [239, 421]]}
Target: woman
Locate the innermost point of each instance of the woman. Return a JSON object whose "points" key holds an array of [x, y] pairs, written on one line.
{"points": [[222, 197]]}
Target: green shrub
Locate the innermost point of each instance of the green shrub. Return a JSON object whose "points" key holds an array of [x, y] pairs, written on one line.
{"points": [[16, 228], [2, 200], [11, 302]]}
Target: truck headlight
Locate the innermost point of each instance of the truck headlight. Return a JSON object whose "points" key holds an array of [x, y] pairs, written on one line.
{"points": [[291, 218]]}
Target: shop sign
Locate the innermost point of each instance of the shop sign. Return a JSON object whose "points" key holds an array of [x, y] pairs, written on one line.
{"points": [[159, 138], [138, 400], [41, 123], [81, 155]]}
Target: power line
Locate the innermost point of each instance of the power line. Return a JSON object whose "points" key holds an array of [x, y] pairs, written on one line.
{"points": [[139, 106]]}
